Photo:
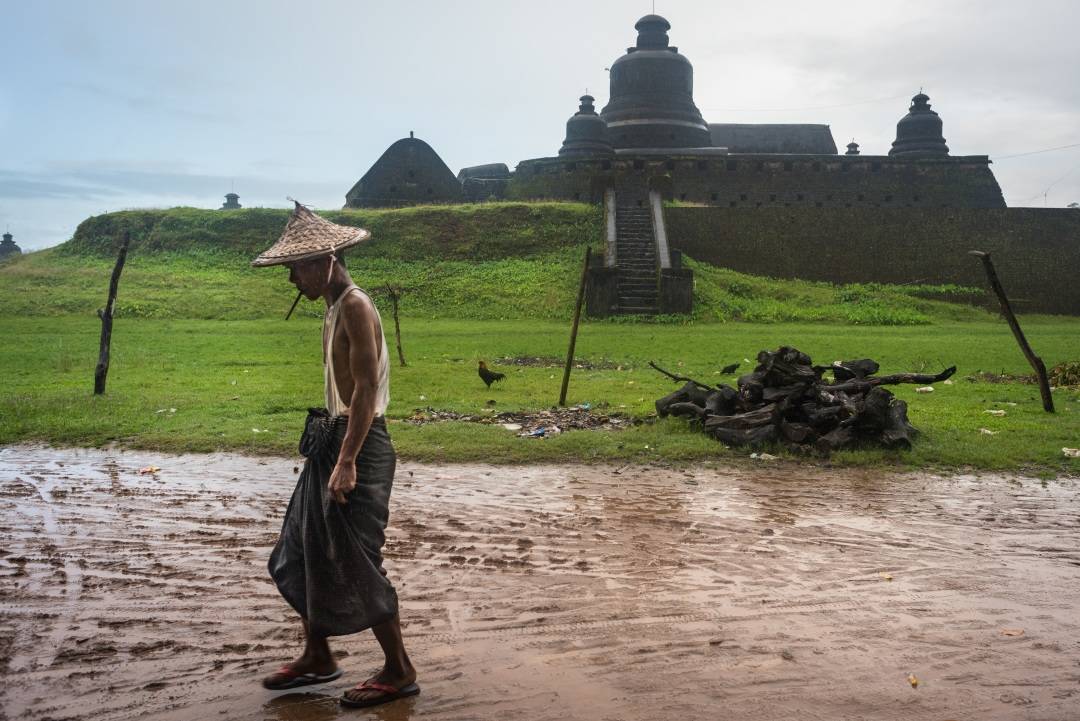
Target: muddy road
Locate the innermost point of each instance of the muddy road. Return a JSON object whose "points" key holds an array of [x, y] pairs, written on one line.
{"points": [[550, 593]]}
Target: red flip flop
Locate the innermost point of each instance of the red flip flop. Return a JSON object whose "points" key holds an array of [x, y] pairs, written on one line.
{"points": [[389, 694], [294, 679]]}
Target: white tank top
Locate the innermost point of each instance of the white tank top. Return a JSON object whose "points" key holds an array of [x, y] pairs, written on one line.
{"points": [[334, 403]]}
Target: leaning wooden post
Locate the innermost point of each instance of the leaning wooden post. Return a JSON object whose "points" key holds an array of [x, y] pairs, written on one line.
{"points": [[573, 331], [395, 294], [106, 316], [1006, 310]]}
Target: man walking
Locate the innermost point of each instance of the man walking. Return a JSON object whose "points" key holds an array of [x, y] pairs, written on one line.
{"points": [[328, 560]]}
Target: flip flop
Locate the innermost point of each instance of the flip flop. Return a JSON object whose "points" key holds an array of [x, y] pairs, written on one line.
{"points": [[389, 694], [295, 680]]}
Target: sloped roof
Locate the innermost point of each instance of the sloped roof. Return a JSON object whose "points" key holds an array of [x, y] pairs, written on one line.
{"points": [[409, 170], [773, 138]]}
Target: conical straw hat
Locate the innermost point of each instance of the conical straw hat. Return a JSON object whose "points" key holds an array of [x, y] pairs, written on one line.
{"points": [[309, 236]]}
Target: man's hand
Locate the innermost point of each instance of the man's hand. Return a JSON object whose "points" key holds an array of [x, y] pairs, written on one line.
{"points": [[342, 481]]}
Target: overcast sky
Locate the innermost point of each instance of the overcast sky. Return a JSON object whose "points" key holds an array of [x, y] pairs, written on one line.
{"points": [[108, 105]]}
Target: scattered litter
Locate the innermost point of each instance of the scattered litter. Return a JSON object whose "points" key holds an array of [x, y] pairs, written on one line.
{"points": [[541, 432], [988, 432], [1012, 632], [1071, 452], [423, 398], [763, 456], [912, 680], [995, 412], [947, 382], [1010, 403], [886, 576], [925, 389], [165, 410], [148, 470], [555, 420], [256, 430]]}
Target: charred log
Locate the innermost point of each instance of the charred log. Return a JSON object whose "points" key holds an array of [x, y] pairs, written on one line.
{"points": [[785, 400], [854, 369]]}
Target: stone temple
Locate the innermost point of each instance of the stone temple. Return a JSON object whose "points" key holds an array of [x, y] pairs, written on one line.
{"points": [[768, 199], [8, 247]]}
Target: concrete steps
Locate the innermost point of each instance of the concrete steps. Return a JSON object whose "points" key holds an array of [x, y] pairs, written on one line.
{"points": [[635, 257]]}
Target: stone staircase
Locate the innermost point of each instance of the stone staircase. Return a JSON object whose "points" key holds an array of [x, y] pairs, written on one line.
{"points": [[635, 258]]}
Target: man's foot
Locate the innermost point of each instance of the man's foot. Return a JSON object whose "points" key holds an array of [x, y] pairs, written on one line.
{"points": [[383, 688], [301, 672]]}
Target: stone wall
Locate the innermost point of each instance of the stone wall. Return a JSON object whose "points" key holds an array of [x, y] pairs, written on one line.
{"points": [[762, 181], [1036, 251]]}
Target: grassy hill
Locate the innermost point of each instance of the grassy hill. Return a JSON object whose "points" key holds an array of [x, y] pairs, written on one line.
{"points": [[491, 261]]}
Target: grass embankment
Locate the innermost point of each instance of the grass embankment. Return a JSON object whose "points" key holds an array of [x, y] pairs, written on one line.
{"points": [[493, 261], [198, 330]]}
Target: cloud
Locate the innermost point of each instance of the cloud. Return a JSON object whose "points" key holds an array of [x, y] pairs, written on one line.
{"points": [[143, 103]]}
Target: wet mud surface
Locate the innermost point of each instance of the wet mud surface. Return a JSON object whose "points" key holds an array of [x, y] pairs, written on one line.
{"points": [[549, 593]]}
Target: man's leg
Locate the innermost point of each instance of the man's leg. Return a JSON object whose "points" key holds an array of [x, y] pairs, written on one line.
{"points": [[316, 658], [397, 670]]}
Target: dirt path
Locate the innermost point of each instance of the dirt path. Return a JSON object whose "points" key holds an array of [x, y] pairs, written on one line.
{"points": [[550, 593]]}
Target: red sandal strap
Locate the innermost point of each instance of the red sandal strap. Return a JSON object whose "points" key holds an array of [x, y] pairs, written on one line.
{"points": [[376, 686]]}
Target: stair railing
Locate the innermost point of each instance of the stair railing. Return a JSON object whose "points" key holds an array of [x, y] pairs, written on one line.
{"points": [[610, 237], [656, 208]]}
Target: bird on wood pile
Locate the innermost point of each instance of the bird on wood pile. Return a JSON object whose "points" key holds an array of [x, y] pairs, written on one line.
{"points": [[489, 376], [726, 370]]}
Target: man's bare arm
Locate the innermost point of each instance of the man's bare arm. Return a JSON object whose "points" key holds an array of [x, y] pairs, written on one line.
{"points": [[361, 327]]}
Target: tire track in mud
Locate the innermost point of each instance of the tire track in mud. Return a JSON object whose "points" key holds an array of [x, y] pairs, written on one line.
{"points": [[51, 640]]}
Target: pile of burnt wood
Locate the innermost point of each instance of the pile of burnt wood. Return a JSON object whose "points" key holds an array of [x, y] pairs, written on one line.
{"points": [[788, 400]]}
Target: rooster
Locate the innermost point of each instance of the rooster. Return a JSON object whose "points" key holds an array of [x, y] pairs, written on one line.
{"points": [[489, 376]]}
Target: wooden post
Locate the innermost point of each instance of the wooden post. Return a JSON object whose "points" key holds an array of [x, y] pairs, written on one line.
{"points": [[573, 330], [1006, 310], [106, 316], [395, 294]]}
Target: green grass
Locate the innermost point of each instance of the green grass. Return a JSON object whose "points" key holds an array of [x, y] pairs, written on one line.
{"points": [[199, 331], [483, 262], [226, 378]]}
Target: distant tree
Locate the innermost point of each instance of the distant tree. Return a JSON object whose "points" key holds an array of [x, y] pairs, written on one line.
{"points": [[1075, 206]]}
